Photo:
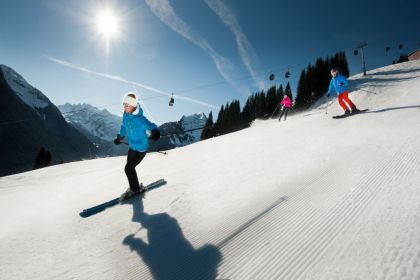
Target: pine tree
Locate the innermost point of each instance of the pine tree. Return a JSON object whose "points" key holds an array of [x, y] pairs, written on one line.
{"points": [[208, 130], [235, 116], [271, 100], [300, 92], [43, 159], [48, 158], [309, 84], [218, 125], [339, 61], [403, 58], [345, 65], [288, 90]]}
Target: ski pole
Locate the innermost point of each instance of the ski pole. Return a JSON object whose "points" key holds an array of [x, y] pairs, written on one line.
{"points": [[160, 152], [274, 111], [367, 91], [328, 104]]}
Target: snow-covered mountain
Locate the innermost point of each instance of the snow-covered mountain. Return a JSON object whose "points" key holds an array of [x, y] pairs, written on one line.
{"points": [[27, 93], [100, 126], [100, 123], [309, 198], [193, 124], [184, 132], [29, 121]]}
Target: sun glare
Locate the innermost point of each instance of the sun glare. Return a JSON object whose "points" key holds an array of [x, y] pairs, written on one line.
{"points": [[107, 24]]}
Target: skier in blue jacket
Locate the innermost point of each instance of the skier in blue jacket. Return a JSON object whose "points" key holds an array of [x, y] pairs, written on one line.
{"points": [[338, 85], [138, 129]]}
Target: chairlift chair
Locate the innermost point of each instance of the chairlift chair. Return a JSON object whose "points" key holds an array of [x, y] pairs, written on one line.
{"points": [[172, 100]]}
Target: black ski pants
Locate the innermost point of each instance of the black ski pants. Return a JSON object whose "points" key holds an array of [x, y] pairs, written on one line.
{"points": [[284, 111], [133, 159]]}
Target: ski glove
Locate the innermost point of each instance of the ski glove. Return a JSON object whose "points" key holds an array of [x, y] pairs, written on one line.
{"points": [[154, 134], [117, 140]]}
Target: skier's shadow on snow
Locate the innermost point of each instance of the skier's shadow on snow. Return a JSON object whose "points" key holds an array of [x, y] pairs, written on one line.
{"points": [[394, 108], [167, 253]]}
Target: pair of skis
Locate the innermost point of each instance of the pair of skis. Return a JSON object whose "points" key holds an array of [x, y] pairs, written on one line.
{"points": [[351, 114], [101, 207]]}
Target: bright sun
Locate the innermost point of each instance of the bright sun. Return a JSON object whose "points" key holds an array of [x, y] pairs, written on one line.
{"points": [[107, 24]]}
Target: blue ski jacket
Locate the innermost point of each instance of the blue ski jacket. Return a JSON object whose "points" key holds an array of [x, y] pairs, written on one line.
{"points": [[338, 84], [135, 127]]}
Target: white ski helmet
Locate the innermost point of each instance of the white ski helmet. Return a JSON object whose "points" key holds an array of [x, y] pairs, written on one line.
{"points": [[130, 98]]}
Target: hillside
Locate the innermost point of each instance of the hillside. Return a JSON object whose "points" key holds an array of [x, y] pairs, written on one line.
{"points": [[309, 198], [30, 121]]}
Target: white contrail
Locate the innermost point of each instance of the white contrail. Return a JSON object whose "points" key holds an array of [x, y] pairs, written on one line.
{"points": [[164, 11], [121, 79], [245, 49]]}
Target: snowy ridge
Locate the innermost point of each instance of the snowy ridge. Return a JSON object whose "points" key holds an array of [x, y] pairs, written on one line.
{"points": [[100, 123], [191, 124], [30, 95], [309, 198], [184, 132]]}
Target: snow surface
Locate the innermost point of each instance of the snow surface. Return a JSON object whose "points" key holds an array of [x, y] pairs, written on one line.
{"points": [[27, 93], [309, 198]]}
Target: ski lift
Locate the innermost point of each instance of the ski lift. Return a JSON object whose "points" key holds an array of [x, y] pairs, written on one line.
{"points": [[355, 52], [400, 46], [172, 100], [387, 49], [287, 74], [272, 77]]}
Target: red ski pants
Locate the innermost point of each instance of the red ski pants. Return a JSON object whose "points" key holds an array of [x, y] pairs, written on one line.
{"points": [[345, 102]]}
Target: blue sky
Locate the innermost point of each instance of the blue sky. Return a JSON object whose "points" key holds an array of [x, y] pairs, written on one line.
{"points": [[183, 47]]}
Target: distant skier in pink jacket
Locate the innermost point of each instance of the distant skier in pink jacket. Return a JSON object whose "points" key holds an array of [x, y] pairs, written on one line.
{"points": [[286, 104]]}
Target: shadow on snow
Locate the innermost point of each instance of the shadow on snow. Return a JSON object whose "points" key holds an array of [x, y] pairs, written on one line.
{"points": [[167, 253]]}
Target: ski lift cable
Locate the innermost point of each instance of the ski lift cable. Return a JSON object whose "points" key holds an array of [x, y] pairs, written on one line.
{"points": [[263, 73], [182, 131]]}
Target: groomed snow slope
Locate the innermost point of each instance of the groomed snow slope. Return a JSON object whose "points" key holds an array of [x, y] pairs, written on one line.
{"points": [[309, 198]]}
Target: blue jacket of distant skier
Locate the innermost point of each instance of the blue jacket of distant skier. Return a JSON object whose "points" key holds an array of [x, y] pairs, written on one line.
{"points": [[338, 84], [136, 128]]}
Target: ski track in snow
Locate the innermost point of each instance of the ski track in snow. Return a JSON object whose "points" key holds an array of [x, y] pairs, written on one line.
{"points": [[344, 205], [306, 233]]}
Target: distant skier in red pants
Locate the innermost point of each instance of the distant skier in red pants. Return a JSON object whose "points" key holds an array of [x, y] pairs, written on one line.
{"points": [[338, 85]]}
